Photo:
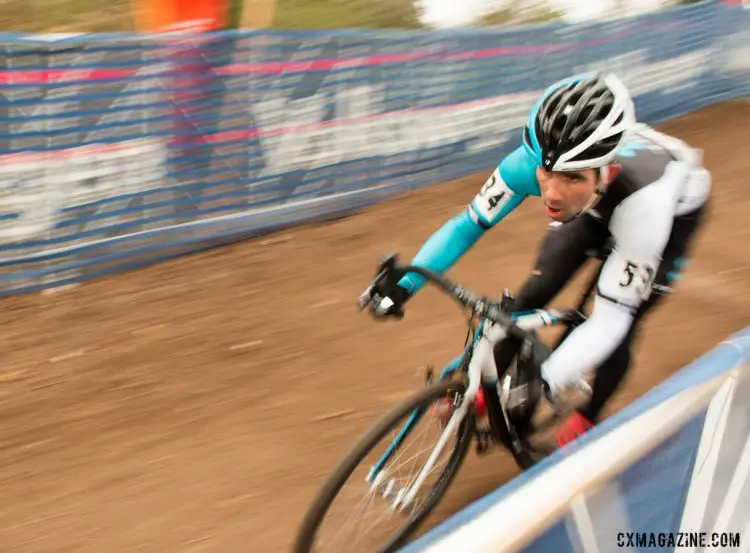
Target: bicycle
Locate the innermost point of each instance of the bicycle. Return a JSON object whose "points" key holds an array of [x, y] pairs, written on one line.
{"points": [[458, 385]]}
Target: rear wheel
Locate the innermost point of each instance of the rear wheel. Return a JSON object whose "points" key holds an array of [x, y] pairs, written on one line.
{"points": [[389, 485]]}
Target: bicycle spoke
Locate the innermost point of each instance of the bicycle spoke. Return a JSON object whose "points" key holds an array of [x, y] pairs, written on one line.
{"points": [[368, 497], [364, 518], [424, 435], [412, 479]]}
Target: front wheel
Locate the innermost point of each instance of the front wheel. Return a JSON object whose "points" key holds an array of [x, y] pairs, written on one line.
{"points": [[393, 468]]}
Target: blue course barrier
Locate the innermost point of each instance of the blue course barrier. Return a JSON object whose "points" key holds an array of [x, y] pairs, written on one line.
{"points": [[692, 482], [121, 150]]}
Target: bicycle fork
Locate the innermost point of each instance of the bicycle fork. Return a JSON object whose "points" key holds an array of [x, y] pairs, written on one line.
{"points": [[481, 367]]}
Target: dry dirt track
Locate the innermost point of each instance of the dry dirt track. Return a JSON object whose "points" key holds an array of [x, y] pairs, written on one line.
{"points": [[183, 407]]}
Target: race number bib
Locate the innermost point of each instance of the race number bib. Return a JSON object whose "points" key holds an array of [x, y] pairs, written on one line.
{"points": [[492, 198], [637, 279], [625, 281]]}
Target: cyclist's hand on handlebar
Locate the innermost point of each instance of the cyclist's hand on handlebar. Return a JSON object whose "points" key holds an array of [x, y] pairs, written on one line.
{"points": [[384, 300]]}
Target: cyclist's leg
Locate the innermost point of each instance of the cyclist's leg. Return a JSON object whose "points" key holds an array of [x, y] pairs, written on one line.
{"points": [[611, 373]]}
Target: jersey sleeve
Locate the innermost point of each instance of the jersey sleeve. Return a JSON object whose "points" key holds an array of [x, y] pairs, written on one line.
{"points": [[624, 283], [641, 227], [504, 190]]}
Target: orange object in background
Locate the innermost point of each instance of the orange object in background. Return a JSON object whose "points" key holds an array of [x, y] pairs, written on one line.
{"points": [[173, 15]]}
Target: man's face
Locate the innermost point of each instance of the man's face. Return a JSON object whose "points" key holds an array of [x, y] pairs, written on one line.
{"points": [[566, 193]]}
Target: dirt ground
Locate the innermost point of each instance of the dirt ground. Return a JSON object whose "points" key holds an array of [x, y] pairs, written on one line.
{"points": [[196, 406]]}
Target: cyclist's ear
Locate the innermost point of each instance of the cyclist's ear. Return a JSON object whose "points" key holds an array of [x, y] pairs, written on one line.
{"points": [[611, 172]]}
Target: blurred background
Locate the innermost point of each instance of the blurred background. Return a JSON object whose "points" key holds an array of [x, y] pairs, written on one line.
{"points": [[118, 15]]}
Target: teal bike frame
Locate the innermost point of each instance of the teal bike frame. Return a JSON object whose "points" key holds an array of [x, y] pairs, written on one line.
{"points": [[547, 318]]}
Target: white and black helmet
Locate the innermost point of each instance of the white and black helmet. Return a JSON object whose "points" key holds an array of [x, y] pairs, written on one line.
{"points": [[580, 123]]}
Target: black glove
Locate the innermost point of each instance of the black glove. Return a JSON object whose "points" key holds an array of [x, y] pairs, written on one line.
{"points": [[384, 300]]}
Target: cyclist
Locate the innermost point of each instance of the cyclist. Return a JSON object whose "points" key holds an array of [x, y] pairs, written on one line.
{"points": [[602, 178]]}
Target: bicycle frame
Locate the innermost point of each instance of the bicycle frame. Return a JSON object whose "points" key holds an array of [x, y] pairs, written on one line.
{"points": [[529, 320]]}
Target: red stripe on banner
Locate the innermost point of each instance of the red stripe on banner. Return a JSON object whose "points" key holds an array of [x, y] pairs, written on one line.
{"points": [[322, 64], [74, 152], [51, 76], [46, 76]]}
